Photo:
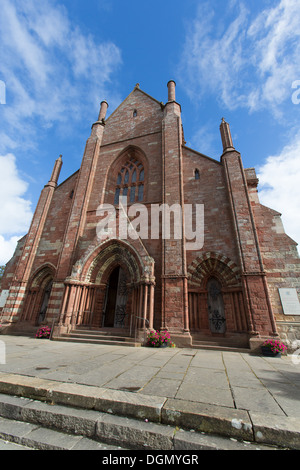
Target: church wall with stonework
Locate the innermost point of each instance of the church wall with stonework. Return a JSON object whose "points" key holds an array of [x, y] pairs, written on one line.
{"points": [[227, 288]]}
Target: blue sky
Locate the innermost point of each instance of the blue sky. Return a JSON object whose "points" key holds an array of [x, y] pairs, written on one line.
{"points": [[59, 60]]}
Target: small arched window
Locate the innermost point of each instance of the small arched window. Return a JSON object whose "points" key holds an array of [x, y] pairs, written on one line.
{"points": [[130, 182], [197, 174], [135, 113]]}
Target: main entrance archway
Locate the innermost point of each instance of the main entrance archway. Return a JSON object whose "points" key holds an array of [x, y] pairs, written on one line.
{"points": [[113, 288]]}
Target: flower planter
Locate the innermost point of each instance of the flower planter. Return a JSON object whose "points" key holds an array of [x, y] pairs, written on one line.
{"points": [[267, 352], [273, 348], [159, 339], [43, 332]]}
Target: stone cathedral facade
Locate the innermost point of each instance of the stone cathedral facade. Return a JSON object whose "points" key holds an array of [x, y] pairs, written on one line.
{"points": [[227, 284]]}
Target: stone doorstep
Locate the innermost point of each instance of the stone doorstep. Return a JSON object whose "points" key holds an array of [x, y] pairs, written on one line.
{"points": [[229, 422]]}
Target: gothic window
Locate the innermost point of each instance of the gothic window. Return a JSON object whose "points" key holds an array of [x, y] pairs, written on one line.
{"points": [[130, 182], [197, 174]]}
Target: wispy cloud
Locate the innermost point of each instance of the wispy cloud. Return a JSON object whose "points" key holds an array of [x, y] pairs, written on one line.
{"points": [[247, 61], [54, 74]]}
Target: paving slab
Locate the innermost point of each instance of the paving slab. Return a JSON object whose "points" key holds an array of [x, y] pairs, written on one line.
{"points": [[205, 394], [259, 400], [162, 387]]}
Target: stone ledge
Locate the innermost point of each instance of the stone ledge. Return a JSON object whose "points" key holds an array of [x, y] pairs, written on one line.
{"points": [[284, 431], [54, 427], [208, 418], [88, 400], [84, 396]]}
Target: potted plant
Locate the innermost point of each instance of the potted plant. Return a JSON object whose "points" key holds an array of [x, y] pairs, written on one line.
{"points": [[43, 332], [158, 339], [273, 348], [165, 339]]}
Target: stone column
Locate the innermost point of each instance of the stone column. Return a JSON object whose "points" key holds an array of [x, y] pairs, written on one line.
{"points": [[174, 273], [259, 310]]}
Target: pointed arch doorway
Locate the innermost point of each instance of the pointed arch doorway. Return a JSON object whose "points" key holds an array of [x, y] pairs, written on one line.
{"points": [[45, 302], [114, 311], [38, 296]]}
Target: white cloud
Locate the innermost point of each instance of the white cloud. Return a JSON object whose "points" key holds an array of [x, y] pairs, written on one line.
{"points": [[249, 62], [15, 210], [7, 248], [205, 63], [279, 179]]}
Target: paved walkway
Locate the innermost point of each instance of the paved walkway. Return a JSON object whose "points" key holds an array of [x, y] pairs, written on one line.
{"points": [[250, 391]]}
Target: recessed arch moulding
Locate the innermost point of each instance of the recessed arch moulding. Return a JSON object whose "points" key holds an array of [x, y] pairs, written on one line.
{"points": [[86, 289]]}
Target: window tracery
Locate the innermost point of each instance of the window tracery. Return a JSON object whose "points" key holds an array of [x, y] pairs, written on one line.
{"points": [[130, 182]]}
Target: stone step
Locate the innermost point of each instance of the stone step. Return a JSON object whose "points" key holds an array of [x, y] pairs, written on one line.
{"points": [[43, 426], [76, 334], [82, 335], [217, 346], [32, 436], [103, 332], [8, 445], [219, 343], [82, 339]]}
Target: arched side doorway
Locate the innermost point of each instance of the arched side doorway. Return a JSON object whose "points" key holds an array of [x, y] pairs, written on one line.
{"points": [[216, 300], [38, 295], [45, 302]]}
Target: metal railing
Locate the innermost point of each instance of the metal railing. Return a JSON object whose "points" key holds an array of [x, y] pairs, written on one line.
{"points": [[136, 317]]}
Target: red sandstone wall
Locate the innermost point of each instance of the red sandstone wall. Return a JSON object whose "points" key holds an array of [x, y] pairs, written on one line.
{"points": [[211, 191], [51, 240]]}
